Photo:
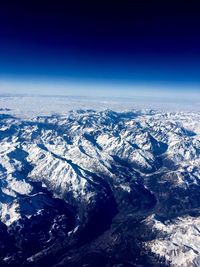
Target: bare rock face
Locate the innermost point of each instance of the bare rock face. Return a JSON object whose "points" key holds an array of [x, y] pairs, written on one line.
{"points": [[100, 189]]}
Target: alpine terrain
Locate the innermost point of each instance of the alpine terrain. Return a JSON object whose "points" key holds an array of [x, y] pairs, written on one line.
{"points": [[100, 188]]}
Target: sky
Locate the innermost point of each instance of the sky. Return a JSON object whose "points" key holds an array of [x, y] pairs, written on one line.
{"points": [[93, 47]]}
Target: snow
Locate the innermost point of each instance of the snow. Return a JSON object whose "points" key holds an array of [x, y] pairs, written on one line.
{"points": [[66, 154], [9, 213], [182, 245]]}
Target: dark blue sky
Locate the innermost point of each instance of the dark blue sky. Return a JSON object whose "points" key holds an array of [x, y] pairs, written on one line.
{"points": [[109, 41]]}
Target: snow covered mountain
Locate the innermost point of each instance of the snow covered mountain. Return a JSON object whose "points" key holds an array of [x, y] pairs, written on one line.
{"points": [[100, 189]]}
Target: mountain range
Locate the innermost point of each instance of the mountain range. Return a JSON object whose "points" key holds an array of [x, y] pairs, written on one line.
{"points": [[100, 188]]}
